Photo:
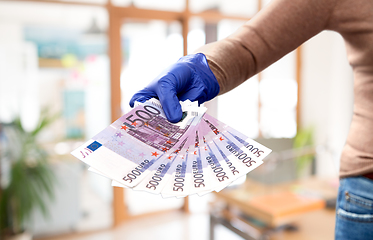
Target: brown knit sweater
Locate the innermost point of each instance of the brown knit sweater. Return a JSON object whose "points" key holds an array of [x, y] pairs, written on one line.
{"points": [[281, 27]]}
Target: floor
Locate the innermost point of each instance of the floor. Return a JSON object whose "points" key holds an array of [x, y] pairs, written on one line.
{"points": [[176, 225]]}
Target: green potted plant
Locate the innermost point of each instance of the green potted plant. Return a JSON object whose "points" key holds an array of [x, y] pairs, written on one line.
{"points": [[28, 181], [304, 142]]}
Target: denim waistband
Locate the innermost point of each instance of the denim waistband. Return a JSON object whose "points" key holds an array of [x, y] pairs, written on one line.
{"points": [[368, 175]]}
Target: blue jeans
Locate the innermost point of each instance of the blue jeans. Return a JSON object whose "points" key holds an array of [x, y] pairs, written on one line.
{"points": [[354, 218]]}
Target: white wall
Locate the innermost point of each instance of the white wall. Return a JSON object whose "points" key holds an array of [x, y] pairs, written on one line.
{"points": [[327, 97]]}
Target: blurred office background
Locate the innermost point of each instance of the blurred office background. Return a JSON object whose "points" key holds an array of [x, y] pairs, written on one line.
{"points": [[84, 59]]}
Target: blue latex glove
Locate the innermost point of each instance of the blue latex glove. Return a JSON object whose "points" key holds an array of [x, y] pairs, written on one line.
{"points": [[189, 78]]}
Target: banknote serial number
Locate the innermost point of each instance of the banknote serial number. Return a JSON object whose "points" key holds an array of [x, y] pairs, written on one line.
{"points": [[141, 116], [135, 172]]}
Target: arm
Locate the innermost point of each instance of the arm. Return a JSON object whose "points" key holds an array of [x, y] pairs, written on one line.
{"points": [[278, 29], [223, 65]]}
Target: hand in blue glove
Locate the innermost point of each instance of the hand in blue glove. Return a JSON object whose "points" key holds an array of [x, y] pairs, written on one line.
{"points": [[189, 78]]}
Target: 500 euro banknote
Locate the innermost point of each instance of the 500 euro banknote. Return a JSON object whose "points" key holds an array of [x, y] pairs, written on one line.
{"points": [[128, 149]]}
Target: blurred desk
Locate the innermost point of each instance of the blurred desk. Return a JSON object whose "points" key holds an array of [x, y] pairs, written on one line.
{"points": [[257, 211]]}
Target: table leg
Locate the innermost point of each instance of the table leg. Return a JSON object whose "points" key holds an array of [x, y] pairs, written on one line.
{"points": [[212, 227]]}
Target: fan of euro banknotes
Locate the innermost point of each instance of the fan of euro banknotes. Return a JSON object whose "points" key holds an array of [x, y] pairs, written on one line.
{"points": [[143, 151]]}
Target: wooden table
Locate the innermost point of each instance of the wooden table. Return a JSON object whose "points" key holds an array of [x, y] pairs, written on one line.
{"points": [[256, 211]]}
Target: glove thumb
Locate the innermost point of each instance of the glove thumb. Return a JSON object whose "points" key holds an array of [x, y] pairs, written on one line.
{"points": [[142, 96]]}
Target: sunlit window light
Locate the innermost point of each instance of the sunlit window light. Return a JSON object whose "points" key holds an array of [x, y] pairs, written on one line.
{"points": [[196, 39], [278, 98], [244, 101], [150, 48]]}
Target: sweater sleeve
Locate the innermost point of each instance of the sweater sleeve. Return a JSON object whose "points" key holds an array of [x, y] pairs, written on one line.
{"points": [[276, 30]]}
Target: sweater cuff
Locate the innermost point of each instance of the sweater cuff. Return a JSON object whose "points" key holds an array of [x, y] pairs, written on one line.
{"points": [[219, 73]]}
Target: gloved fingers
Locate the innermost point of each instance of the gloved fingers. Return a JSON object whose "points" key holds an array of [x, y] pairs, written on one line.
{"points": [[142, 96], [167, 95], [194, 93], [179, 75], [189, 78]]}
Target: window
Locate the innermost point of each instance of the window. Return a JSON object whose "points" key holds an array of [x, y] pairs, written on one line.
{"points": [[278, 91], [54, 56], [147, 49], [164, 5], [236, 8], [65, 49]]}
